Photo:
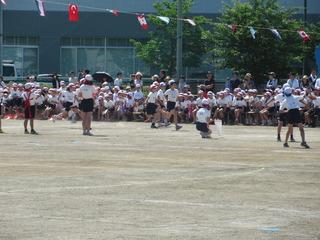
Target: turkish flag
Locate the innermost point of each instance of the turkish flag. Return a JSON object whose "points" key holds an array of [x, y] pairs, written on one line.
{"points": [[143, 22], [304, 35], [73, 13]]}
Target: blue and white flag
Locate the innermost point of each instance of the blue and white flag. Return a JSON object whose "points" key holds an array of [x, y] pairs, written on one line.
{"points": [[40, 6], [164, 19], [253, 32], [275, 32]]}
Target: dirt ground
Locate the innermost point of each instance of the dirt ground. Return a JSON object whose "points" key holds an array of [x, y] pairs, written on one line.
{"points": [[132, 182]]}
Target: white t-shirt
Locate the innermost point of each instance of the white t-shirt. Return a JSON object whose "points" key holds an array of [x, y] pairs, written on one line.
{"points": [[68, 96], [316, 102], [138, 95], [293, 83], [172, 95], [87, 91], [129, 103], [117, 82], [317, 84], [152, 97], [289, 103], [108, 104], [199, 101], [239, 102], [202, 115], [29, 96], [160, 95]]}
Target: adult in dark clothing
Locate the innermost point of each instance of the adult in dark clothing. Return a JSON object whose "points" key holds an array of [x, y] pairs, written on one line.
{"points": [[55, 81], [209, 82], [162, 75], [235, 82]]}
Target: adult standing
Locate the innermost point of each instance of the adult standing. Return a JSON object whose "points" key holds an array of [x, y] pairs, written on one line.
{"points": [[293, 82], [209, 82], [86, 93], [55, 81], [313, 77], [2, 84], [248, 82], [272, 82], [118, 80]]}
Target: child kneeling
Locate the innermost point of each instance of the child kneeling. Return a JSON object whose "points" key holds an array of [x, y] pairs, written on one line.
{"points": [[203, 119]]}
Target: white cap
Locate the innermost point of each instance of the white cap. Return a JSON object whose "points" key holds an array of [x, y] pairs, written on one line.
{"points": [[172, 82], [287, 91], [28, 85], [285, 85], [88, 77], [205, 102]]}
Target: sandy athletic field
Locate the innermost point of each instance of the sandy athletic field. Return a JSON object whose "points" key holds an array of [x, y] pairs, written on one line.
{"points": [[133, 182]]}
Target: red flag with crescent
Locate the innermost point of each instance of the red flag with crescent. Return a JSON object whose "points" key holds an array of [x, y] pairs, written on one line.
{"points": [[73, 13], [304, 35], [143, 22]]}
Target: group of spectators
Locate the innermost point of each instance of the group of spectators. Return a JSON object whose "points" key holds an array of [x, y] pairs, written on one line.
{"points": [[239, 103]]}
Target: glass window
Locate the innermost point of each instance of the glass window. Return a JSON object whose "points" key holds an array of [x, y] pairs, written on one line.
{"points": [[120, 60], [91, 58], [30, 61], [68, 61], [15, 54]]}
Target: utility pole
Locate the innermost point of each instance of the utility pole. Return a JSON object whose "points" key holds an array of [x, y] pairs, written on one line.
{"points": [[1, 37], [304, 24], [179, 44]]}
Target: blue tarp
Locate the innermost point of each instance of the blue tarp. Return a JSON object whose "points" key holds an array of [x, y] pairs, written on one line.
{"points": [[317, 54]]}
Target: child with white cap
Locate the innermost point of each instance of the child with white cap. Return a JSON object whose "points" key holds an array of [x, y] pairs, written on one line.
{"points": [[291, 103], [203, 119], [152, 106], [171, 96], [29, 103], [87, 93]]}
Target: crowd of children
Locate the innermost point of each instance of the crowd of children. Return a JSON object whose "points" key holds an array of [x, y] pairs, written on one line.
{"points": [[162, 105]]}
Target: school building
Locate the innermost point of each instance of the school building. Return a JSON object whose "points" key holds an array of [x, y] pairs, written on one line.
{"points": [[99, 41]]}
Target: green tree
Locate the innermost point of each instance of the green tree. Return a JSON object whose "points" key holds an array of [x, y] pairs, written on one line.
{"points": [[160, 50], [313, 29], [239, 51]]}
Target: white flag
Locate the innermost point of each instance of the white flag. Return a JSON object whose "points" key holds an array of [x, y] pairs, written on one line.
{"points": [[40, 7], [165, 19], [3, 2], [253, 32], [190, 21], [275, 32]]}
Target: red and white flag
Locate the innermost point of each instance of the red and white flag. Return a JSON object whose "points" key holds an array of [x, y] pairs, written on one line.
{"points": [[304, 35], [40, 7], [233, 27], [143, 22], [3, 2], [114, 12], [73, 13]]}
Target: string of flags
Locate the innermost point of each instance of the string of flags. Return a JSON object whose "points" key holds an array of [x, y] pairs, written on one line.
{"points": [[142, 19], [305, 37]]}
